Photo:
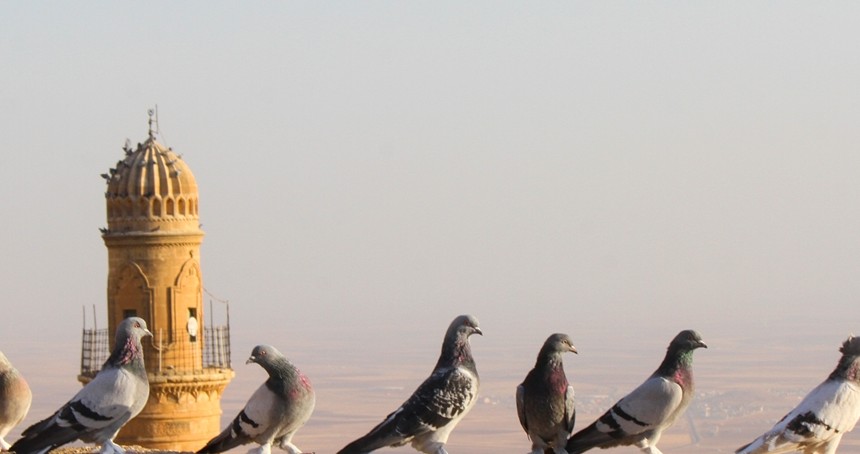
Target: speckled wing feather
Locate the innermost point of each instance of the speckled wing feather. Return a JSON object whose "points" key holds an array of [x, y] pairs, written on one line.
{"points": [[441, 399]]}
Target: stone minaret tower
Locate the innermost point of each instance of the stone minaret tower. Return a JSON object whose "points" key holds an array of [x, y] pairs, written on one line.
{"points": [[153, 240]]}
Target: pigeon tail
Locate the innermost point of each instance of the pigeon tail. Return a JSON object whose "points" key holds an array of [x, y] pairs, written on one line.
{"points": [[228, 439], [45, 435], [368, 444], [588, 438]]}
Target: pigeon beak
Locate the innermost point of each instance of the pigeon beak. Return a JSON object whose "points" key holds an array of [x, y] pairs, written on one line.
{"points": [[478, 331], [703, 344], [147, 332], [573, 349], [252, 359]]}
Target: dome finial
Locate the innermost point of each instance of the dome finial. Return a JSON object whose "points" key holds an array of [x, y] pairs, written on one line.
{"points": [[152, 119]]}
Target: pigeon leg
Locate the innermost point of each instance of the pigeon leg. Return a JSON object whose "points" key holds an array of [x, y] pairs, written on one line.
{"points": [[432, 448], [831, 447], [651, 450], [111, 448], [289, 447], [558, 447], [263, 449]]}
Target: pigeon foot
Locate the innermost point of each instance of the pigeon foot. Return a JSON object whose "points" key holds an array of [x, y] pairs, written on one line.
{"points": [[109, 447]]}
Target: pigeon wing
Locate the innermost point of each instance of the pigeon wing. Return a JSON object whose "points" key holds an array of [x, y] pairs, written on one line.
{"points": [[95, 413], [255, 419], [521, 407], [443, 397], [649, 406], [569, 409], [646, 408]]}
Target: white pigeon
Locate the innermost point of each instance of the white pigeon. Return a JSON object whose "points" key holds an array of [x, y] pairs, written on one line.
{"points": [[817, 424], [99, 410], [276, 410], [639, 418], [545, 398], [427, 418], [15, 398]]}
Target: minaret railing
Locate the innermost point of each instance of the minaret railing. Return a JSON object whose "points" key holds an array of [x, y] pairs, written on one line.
{"points": [[179, 357]]}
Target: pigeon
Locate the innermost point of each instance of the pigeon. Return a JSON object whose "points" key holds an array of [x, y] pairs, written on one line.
{"points": [[276, 410], [640, 417], [15, 398], [818, 423], [100, 409], [545, 398], [427, 418]]}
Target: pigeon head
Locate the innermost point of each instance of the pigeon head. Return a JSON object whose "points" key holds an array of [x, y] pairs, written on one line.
{"points": [[132, 328], [455, 346], [559, 343], [687, 340], [264, 355], [272, 360], [851, 346], [679, 355], [464, 326], [127, 348], [848, 367]]}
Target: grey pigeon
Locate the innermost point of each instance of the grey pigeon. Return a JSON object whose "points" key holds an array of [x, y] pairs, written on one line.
{"points": [[817, 424], [15, 398], [427, 418], [639, 418], [99, 410], [276, 410], [545, 398]]}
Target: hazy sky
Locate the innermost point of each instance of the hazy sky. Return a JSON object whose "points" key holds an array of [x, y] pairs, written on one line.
{"points": [[600, 167]]}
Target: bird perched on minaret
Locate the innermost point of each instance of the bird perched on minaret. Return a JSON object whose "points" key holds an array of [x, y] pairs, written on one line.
{"points": [[817, 424], [545, 398], [639, 418], [15, 398], [427, 418], [99, 410], [276, 410]]}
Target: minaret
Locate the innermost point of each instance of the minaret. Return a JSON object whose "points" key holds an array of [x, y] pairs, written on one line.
{"points": [[153, 240]]}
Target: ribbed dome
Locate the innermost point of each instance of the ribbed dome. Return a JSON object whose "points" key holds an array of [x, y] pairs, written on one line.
{"points": [[151, 190]]}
